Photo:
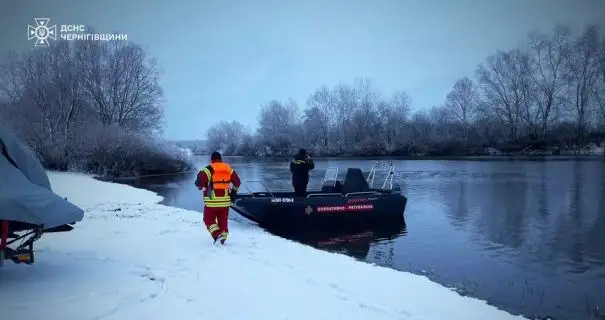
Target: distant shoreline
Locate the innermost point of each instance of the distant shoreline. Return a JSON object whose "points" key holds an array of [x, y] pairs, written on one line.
{"points": [[447, 158], [284, 159]]}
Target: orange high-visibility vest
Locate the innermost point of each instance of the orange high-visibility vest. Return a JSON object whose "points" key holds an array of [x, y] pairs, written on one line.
{"points": [[221, 175], [219, 178]]}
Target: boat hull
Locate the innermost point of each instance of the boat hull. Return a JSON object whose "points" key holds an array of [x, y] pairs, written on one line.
{"points": [[284, 211]]}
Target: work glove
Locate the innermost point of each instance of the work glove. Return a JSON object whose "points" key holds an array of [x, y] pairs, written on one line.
{"points": [[232, 194]]}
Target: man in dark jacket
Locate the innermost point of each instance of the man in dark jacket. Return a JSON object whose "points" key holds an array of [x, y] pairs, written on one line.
{"points": [[300, 167]]}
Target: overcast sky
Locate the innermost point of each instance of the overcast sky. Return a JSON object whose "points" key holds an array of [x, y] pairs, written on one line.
{"points": [[223, 59]]}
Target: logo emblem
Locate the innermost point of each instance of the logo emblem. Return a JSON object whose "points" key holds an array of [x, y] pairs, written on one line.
{"points": [[42, 31], [309, 210]]}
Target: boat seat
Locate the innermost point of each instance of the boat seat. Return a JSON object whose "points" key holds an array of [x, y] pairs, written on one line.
{"points": [[355, 181], [331, 186]]}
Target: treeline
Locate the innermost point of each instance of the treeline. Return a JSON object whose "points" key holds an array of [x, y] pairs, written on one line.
{"points": [[93, 106], [546, 95]]}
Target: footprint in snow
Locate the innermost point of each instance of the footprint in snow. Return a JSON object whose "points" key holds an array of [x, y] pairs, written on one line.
{"points": [[340, 293], [148, 274]]}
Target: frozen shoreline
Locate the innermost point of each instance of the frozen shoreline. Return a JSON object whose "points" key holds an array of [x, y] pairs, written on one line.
{"points": [[131, 258]]}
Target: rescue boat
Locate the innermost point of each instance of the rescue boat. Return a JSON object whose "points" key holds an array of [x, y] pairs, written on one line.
{"points": [[349, 203]]}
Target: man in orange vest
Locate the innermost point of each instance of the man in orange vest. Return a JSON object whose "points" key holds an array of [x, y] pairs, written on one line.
{"points": [[216, 179]]}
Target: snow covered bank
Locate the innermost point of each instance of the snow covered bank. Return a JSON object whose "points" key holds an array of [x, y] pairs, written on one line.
{"points": [[131, 258]]}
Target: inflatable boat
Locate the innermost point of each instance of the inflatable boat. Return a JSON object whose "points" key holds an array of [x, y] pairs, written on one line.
{"points": [[350, 203]]}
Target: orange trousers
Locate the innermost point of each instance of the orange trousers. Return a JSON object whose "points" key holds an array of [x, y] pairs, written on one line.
{"points": [[217, 221]]}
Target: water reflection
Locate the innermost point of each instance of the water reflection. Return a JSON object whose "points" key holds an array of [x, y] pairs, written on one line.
{"points": [[455, 200], [505, 214], [353, 242], [532, 208], [544, 225]]}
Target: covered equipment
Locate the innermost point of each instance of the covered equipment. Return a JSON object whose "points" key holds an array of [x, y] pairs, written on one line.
{"points": [[28, 206]]}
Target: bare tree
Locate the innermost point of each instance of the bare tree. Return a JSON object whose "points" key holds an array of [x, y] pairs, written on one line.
{"points": [[546, 71], [67, 91], [346, 98], [12, 77], [394, 115], [461, 103], [248, 146], [599, 91], [44, 83], [225, 136], [582, 75], [15, 110], [278, 126], [519, 98], [315, 129], [443, 129], [121, 83], [277, 118], [504, 88], [90, 105], [421, 131], [321, 106], [364, 123], [401, 104]]}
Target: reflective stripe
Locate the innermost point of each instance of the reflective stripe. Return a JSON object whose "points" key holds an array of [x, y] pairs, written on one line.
{"points": [[207, 172], [298, 161], [217, 199], [214, 201], [213, 228], [224, 235], [218, 205], [217, 202]]}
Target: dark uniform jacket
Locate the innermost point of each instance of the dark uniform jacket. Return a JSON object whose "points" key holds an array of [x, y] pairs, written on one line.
{"points": [[300, 168]]}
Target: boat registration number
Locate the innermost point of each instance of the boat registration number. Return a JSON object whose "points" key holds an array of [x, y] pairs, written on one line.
{"points": [[282, 200]]}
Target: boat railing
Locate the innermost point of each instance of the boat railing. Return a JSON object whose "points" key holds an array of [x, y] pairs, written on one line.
{"points": [[388, 180], [261, 183], [362, 193], [332, 194], [311, 195], [331, 175]]}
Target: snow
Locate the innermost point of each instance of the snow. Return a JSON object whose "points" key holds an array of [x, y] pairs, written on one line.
{"points": [[131, 258]]}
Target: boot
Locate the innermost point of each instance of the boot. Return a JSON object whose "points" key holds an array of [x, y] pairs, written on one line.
{"points": [[220, 239]]}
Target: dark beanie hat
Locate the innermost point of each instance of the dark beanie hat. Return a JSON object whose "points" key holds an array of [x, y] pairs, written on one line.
{"points": [[215, 156]]}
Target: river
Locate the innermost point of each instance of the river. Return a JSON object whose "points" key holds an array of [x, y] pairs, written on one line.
{"points": [[527, 236]]}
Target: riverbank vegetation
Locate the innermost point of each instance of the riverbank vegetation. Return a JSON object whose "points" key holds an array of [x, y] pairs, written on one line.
{"points": [[92, 106], [546, 97]]}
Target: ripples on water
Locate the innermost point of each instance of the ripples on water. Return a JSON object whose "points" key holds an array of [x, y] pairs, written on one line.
{"points": [[527, 236]]}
